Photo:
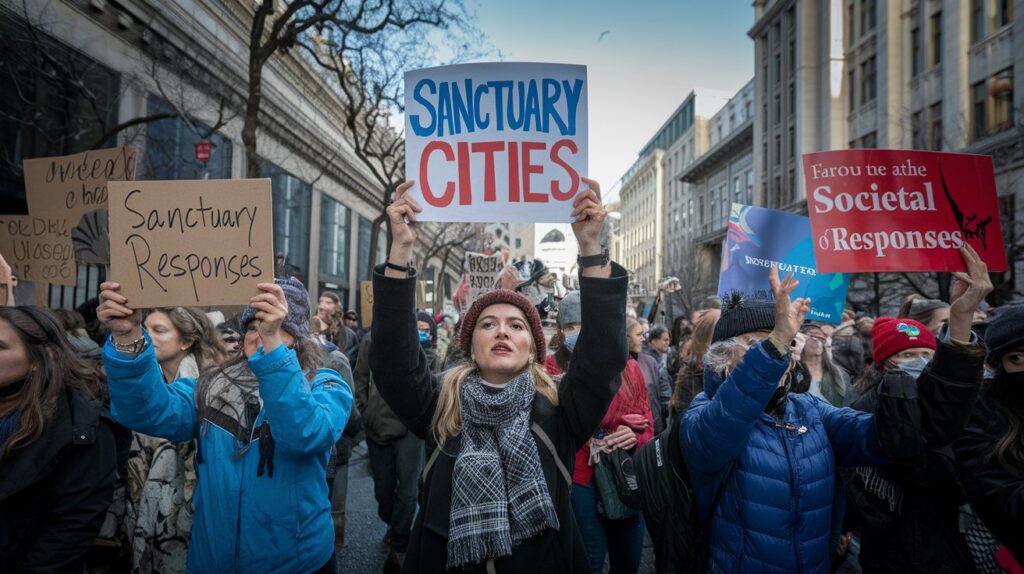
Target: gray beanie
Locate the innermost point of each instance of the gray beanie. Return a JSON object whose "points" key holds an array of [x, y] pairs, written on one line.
{"points": [[569, 309], [297, 321]]}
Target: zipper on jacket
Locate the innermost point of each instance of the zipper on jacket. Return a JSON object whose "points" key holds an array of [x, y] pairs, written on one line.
{"points": [[794, 490]]}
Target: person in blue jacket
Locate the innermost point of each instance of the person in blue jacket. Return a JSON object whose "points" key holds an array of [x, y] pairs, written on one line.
{"points": [[762, 461], [264, 424]]}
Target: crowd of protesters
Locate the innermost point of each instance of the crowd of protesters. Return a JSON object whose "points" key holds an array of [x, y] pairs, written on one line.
{"points": [[175, 439]]}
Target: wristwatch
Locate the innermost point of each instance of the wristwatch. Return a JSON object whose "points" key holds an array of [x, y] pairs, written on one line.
{"points": [[599, 260]]}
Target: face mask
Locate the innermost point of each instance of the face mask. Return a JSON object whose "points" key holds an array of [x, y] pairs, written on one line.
{"points": [[913, 367], [424, 337], [570, 341]]}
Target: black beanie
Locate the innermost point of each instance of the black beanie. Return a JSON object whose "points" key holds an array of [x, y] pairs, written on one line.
{"points": [[1004, 332], [740, 315]]}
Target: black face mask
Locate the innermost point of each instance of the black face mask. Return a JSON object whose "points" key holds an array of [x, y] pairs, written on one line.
{"points": [[1009, 387]]}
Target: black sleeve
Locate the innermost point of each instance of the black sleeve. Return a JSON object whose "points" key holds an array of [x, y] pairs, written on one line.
{"points": [[947, 390], [995, 494], [82, 490], [399, 366], [600, 355], [361, 375]]}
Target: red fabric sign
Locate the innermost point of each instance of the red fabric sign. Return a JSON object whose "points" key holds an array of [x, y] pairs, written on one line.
{"points": [[898, 210]]}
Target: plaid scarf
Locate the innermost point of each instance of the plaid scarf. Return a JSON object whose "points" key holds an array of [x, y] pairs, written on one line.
{"points": [[499, 496]]}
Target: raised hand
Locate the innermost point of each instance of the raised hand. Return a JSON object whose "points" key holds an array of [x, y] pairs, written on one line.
{"points": [[271, 310], [125, 323], [789, 315], [402, 221], [969, 290], [588, 218]]}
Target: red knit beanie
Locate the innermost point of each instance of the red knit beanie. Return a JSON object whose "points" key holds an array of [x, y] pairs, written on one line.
{"points": [[494, 298], [890, 335]]}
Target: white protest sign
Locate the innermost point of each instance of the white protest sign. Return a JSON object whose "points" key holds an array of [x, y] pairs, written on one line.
{"points": [[496, 142], [482, 273]]}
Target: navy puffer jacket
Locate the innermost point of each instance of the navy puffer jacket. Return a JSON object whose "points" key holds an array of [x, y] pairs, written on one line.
{"points": [[775, 513]]}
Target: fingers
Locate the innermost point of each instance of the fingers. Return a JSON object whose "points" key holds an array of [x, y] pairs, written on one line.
{"points": [[402, 188], [111, 310], [773, 278], [960, 276], [594, 186]]}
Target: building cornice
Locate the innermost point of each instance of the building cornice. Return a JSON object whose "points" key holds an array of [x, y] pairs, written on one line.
{"points": [[737, 139]]}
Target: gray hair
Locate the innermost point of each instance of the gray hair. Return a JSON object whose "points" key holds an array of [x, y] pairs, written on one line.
{"points": [[722, 357]]}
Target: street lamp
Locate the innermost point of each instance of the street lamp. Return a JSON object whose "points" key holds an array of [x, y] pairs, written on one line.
{"points": [[667, 285]]}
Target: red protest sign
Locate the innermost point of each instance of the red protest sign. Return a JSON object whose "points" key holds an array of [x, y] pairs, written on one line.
{"points": [[898, 210]]}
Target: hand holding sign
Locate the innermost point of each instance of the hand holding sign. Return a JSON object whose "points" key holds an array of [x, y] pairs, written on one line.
{"points": [[125, 323], [588, 218], [789, 316], [271, 310], [969, 290]]}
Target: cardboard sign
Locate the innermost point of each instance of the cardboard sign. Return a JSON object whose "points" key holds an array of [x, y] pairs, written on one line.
{"points": [[496, 142], [366, 303], [482, 273], [896, 210], [38, 249], [75, 187], [198, 243], [759, 237]]}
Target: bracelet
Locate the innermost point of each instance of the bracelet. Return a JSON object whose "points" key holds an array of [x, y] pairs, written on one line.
{"points": [[391, 265], [133, 347]]}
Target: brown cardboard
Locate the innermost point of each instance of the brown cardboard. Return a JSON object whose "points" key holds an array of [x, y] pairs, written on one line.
{"points": [[74, 187], [191, 242], [366, 303], [38, 249]]}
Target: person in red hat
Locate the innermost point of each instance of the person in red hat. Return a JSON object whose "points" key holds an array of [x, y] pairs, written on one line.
{"points": [[910, 516], [500, 434]]}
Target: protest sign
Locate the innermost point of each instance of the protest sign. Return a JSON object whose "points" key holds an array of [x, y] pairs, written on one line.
{"points": [[897, 210], [74, 187], [366, 303], [482, 273], [198, 243], [38, 249], [759, 237], [496, 142]]}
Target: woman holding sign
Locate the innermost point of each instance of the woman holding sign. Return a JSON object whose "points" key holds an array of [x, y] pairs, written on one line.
{"points": [[500, 434], [264, 425]]}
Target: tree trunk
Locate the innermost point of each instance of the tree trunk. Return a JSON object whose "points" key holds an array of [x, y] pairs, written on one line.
{"points": [[252, 112]]}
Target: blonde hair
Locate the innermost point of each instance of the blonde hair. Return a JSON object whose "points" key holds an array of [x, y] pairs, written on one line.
{"points": [[447, 420]]}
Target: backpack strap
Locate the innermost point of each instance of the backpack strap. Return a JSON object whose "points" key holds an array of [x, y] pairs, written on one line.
{"points": [[537, 430]]}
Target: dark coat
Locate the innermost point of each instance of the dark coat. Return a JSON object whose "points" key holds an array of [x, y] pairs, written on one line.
{"points": [[923, 535], [54, 492], [995, 494], [402, 377]]}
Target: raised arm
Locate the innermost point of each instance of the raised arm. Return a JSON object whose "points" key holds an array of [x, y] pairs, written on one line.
{"points": [[139, 397], [397, 361]]}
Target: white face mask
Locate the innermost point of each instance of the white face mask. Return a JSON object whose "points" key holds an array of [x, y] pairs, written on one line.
{"points": [[913, 367]]}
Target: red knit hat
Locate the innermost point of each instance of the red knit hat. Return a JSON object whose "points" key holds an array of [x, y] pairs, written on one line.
{"points": [[890, 335], [510, 298]]}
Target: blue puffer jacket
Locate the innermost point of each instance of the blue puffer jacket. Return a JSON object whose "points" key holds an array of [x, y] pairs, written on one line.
{"points": [[244, 522], [775, 513]]}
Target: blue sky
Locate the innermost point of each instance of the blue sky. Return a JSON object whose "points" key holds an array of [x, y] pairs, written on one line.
{"points": [[643, 58]]}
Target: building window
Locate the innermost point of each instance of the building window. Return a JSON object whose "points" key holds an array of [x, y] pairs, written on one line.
{"points": [[778, 108], [737, 190], [852, 80], [869, 141], [916, 52], [851, 22], [935, 56], [170, 147], [792, 98], [292, 203], [868, 86], [935, 127], [778, 67], [1004, 13], [792, 57], [977, 20], [979, 109], [1001, 90], [778, 149], [792, 143], [749, 199], [868, 16], [334, 239], [917, 131]]}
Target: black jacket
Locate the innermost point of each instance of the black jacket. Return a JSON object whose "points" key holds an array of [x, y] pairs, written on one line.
{"points": [[995, 494], [923, 534], [54, 492], [402, 377]]}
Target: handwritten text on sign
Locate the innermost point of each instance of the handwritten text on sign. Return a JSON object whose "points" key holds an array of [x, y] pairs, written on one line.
{"points": [[897, 210], [482, 273], [496, 142], [38, 249], [74, 187], [206, 242]]}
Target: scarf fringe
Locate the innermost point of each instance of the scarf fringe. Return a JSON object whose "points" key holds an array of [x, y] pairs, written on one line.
{"points": [[478, 548]]}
